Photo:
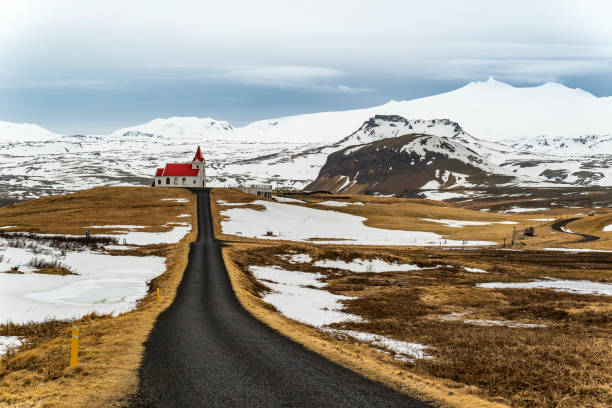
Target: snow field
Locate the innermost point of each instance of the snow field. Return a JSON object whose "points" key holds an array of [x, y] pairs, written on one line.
{"points": [[105, 284], [362, 266], [583, 287], [176, 200], [522, 210], [404, 350], [489, 322], [281, 199], [290, 296], [474, 270], [607, 228], [577, 250], [297, 223], [461, 224], [297, 258]]}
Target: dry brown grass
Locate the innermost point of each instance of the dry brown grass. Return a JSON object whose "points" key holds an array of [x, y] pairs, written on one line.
{"points": [[564, 364], [362, 359], [407, 214], [110, 347]]}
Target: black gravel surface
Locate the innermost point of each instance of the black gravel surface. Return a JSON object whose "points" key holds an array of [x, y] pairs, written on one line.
{"points": [[207, 351]]}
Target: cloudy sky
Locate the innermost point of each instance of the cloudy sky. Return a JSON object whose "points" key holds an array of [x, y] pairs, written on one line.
{"points": [[95, 66]]}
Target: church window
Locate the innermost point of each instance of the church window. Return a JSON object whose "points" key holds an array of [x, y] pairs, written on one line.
{"points": [[184, 181], [158, 181], [167, 180], [176, 180]]}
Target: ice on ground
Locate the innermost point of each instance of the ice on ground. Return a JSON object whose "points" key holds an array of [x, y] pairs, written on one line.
{"points": [[608, 228], [118, 226], [8, 226], [183, 216], [296, 258], [442, 195], [489, 322], [567, 230], [521, 210], [151, 238], [282, 199], [176, 200], [334, 203], [298, 223], [277, 274], [9, 342], [571, 286], [543, 219], [292, 299], [407, 350], [104, 284], [360, 265], [474, 270], [577, 250], [223, 202], [119, 247], [461, 224]]}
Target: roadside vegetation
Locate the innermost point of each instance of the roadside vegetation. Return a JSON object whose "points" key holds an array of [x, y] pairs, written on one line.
{"points": [[37, 374], [524, 347]]}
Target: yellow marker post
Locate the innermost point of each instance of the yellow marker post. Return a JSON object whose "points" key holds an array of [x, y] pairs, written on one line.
{"points": [[158, 298], [74, 347]]}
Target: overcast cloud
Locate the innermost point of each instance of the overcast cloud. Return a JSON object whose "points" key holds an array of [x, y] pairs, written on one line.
{"points": [[76, 66]]}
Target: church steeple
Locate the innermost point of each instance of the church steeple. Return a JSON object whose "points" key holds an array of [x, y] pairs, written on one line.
{"points": [[198, 156]]}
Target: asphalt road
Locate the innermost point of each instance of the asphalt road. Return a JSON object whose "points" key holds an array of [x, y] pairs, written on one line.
{"points": [[205, 350], [558, 226]]}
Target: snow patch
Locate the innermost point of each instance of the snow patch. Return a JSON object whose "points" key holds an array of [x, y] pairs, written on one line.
{"points": [[314, 307], [362, 266], [571, 286], [303, 224]]}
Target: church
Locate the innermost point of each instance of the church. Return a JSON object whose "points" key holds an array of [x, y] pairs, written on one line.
{"points": [[182, 174]]}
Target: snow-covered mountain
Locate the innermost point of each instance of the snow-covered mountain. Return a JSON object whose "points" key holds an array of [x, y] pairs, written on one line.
{"points": [[404, 164], [178, 128], [549, 132], [24, 132], [489, 110]]}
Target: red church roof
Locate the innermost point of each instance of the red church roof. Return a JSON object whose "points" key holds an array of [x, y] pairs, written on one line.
{"points": [[180, 169], [198, 156], [159, 172]]}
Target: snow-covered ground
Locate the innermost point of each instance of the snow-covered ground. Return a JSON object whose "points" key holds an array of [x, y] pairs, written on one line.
{"points": [[290, 296], [461, 224], [317, 307], [474, 270], [298, 223], [282, 199], [559, 285], [362, 266], [102, 283], [522, 210], [150, 238], [7, 342], [403, 350], [297, 258], [608, 228], [490, 322], [577, 250]]}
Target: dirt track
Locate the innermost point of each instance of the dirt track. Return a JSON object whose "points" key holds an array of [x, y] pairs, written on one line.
{"points": [[207, 351]]}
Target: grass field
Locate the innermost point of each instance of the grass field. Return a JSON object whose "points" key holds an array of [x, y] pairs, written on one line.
{"points": [[509, 346], [110, 347]]}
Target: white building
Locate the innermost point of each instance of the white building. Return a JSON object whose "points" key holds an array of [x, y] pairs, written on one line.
{"points": [[182, 174]]}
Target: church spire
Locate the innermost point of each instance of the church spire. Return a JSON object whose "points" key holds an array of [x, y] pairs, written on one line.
{"points": [[198, 156]]}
